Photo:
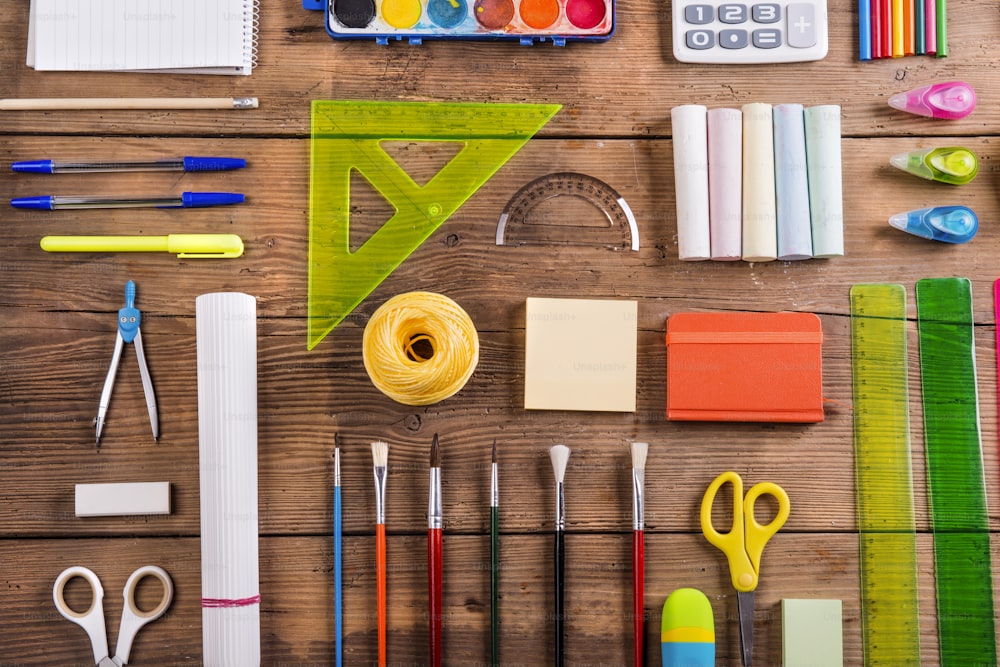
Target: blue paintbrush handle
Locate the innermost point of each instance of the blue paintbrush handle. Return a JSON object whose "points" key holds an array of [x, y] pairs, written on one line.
{"points": [[338, 575]]}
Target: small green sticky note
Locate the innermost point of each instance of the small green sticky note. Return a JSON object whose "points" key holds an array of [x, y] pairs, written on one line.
{"points": [[812, 633]]}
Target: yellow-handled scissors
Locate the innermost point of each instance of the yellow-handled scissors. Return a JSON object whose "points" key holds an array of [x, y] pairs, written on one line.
{"points": [[744, 543], [92, 620]]}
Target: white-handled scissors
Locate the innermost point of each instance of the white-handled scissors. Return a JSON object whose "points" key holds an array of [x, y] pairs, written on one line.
{"points": [[92, 620]]}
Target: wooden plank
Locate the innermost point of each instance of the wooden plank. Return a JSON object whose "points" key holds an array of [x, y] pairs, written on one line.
{"points": [[296, 591], [299, 62]]}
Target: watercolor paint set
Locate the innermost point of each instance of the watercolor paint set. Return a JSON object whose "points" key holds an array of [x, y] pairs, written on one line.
{"points": [[526, 21]]}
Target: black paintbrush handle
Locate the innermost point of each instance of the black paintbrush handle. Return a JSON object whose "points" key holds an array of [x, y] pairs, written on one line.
{"points": [[560, 561]]}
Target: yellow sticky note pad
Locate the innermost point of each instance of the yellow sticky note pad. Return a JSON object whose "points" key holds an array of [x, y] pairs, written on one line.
{"points": [[580, 354], [812, 633]]}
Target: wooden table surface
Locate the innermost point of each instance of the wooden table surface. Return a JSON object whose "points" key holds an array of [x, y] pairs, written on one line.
{"points": [[57, 322]]}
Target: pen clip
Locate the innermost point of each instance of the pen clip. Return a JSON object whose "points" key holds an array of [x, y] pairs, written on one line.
{"points": [[226, 254], [205, 246]]}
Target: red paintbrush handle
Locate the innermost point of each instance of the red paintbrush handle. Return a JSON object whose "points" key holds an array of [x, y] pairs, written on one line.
{"points": [[380, 574], [434, 575], [638, 583]]}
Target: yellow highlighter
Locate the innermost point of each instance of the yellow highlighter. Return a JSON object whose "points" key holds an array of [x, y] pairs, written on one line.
{"points": [[197, 246]]}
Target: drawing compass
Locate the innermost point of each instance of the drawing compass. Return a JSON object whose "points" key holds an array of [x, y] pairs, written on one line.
{"points": [[129, 319]]}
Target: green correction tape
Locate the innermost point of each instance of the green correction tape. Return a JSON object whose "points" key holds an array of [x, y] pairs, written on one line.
{"points": [[953, 165]]}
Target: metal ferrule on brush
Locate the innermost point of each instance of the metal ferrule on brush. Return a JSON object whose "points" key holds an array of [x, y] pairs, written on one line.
{"points": [[560, 508], [379, 494], [494, 487], [638, 484], [336, 467], [434, 512]]}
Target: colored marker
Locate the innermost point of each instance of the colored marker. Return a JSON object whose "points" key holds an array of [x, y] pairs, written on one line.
{"points": [[949, 100], [185, 200], [952, 165], [950, 224], [688, 630], [179, 164], [194, 246], [865, 29], [941, 13], [897, 28]]}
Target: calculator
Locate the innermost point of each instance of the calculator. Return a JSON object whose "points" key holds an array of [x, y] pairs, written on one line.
{"points": [[733, 33]]}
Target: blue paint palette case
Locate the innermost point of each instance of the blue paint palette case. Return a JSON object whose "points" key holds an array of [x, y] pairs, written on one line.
{"points": [[527, 21]]}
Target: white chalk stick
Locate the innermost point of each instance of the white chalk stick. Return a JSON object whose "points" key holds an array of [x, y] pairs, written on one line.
{"points": [[725, 182], [689, 125], [123, 499], [791, 185], [826, 197], [760, 226]]}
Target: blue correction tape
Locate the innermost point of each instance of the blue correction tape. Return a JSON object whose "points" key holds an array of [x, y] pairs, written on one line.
{"points": [[950, 224]]}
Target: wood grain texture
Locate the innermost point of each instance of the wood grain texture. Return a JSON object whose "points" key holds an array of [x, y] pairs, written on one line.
{"points": [[57, 324]]}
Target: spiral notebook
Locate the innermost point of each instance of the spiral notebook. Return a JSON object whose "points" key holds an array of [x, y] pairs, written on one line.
{"points": [[181, 36]]}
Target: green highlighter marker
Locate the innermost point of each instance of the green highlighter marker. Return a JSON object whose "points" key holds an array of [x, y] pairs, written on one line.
{"points": [[953, 165], [688, 630]]}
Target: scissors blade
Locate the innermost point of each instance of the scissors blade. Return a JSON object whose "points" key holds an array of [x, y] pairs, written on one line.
{"points": [[109, 383], [744, 602], [147, 385]]}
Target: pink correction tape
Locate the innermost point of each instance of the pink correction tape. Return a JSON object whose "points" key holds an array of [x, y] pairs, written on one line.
{"points": [[951, 100]]}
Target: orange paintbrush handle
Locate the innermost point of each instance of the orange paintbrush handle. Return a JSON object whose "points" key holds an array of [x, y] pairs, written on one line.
{"points": [[380, 575]]}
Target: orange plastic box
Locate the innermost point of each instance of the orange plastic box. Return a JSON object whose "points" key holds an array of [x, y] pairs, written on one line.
{"points": [[751, 367]]}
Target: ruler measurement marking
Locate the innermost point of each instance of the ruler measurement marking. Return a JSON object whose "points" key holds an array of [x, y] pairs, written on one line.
{"points": [[883, 477], [955, 475]]}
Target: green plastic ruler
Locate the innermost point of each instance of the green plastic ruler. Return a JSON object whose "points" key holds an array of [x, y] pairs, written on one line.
{"points": [[883, 478], [348, 138], [955, 475]]}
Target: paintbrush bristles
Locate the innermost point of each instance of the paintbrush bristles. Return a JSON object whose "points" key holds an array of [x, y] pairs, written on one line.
{"points": [[494, 459], [639, 451], [560, 457], [380, 453], [435, 455]]}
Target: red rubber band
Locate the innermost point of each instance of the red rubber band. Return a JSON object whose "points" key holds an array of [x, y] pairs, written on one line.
{"points": [[223, 603]]}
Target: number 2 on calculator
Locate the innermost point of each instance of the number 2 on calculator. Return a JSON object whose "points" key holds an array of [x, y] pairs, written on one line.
{"points": [[728, 32]]}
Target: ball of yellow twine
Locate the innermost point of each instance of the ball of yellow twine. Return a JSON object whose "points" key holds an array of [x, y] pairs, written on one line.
{"points": [[420, 348]]}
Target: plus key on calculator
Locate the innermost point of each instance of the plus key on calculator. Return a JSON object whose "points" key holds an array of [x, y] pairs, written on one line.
{"points": [[749, 32]]}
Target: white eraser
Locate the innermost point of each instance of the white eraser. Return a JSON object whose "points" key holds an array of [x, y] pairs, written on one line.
{"points": [[123, 499]]}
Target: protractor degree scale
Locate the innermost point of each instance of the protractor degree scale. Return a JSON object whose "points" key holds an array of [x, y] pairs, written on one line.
{"points": [[532, 217]]}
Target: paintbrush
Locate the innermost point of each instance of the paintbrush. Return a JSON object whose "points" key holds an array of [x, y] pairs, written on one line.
{"points": [[494, 558], [338, 554], [560, 457], [435, 524], [380, 455], [638, 450]]}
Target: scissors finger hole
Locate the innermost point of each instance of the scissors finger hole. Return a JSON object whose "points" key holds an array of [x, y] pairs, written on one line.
{"points": [[75, 592], [149, 592]]}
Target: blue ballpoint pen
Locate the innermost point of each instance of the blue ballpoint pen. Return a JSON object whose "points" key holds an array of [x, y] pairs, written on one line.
{"points": [[184, 200], [189, 163], [338, 556]]}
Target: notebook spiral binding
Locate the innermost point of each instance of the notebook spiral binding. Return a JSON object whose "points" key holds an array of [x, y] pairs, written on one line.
{"points": [[251, 23]]}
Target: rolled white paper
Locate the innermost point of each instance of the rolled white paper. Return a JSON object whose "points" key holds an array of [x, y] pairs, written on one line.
{"points": [[826, 196], [791, 185], [226, 325], [689, 125], [760, 232], [725, 183]]}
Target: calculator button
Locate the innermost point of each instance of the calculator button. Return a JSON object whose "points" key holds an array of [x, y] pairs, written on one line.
{"points": [[766, 13], [699, 39], [732, 13], [699, 14], [767, 38], [801, 25], [734, 39]]}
